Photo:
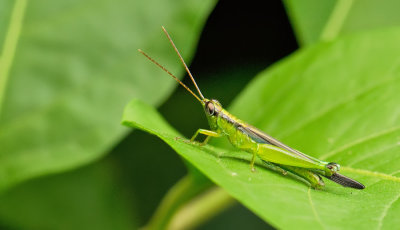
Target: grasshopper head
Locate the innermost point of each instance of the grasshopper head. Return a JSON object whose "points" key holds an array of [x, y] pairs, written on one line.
{"points": [[332, 168], [212, 109]]}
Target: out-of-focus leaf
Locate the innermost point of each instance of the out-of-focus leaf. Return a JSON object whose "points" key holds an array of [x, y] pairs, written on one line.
{"points": [[74, 66], [336, 101], [87, 198], [5, 12], [313, 19]]}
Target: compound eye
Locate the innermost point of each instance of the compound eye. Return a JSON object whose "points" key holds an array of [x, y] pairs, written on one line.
{"points": [[333, 166], [210, 108]]}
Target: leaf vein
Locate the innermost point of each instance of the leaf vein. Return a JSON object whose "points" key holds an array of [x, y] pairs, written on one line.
{"points": [[313, 208], [335, 106], [360, 140], [386, 210], [373, 153]]}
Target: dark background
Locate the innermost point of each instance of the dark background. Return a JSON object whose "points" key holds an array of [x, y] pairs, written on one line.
{"points": [[238, 41]]}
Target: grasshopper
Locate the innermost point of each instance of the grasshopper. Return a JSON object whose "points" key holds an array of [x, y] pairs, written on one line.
{"points": [[243, 136]]}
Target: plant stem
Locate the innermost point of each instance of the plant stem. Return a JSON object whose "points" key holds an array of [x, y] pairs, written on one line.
{"points": [[201, 209], [181, 192], [336, 20]]}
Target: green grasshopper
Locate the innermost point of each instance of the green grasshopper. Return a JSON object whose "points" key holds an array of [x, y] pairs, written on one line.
{"points": [[272, 152]]}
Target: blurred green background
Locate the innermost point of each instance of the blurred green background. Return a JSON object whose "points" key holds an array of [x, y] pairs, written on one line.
{"points": [[65, 160]]}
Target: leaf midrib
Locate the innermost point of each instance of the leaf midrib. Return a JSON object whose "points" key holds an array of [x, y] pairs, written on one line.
{"points": [[369, 173]]}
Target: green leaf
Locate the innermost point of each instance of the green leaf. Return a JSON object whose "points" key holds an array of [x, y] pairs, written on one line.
{"points": [[87, 198], [337, 101], [68, 67], [314, 20]]}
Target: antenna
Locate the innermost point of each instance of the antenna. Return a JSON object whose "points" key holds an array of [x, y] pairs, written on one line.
{"points": [[163, 68], [183, 62]]}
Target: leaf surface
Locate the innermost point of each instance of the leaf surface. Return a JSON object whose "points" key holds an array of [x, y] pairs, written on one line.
{"points": [[336, 101], [87, 198]]}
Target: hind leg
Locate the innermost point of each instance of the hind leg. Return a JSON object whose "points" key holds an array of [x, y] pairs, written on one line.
{"points": [[313, 179]]}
